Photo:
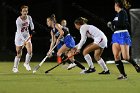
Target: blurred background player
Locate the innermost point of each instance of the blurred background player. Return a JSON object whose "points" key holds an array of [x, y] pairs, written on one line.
{"points": [[121, 40], [100, 42], [61, 34], [22, 34]]}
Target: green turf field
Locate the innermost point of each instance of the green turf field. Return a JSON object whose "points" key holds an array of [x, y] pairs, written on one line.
{"points": [[61, 80]]}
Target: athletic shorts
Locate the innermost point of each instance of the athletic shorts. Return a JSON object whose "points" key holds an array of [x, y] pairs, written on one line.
{"points": [[19, 41], [121, 37], [101, 42], [60, 45], [69, 41]]}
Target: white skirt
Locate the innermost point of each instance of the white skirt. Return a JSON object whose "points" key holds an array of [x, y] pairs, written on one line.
{"points": [[101, 41], [19, 41]]}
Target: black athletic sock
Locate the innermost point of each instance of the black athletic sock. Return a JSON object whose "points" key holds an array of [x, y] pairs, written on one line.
{"points": [[132, 62], [68, 61], [120, 67], [79, 64], [64, 57]]}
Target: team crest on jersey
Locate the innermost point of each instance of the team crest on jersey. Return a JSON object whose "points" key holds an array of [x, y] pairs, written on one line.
{"points": [[116, 19]]}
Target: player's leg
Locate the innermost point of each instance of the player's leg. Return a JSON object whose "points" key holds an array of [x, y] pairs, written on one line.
{"points": [[91, 47], [72, 64], [62, 50], [17, 58], [74, 61], [97, 56], [125, 55], [28, 56], [59, 59], [117, 56]]}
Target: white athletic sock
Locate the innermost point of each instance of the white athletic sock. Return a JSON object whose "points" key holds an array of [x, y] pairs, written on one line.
{"points": [[28, 58], [102, 64], [89, 60], [16, 62]]}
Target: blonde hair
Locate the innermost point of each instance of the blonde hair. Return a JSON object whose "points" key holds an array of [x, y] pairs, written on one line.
{"points": [[123, 3], [81, 21]]}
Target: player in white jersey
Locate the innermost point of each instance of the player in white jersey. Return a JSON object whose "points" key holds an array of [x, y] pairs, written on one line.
{"points": [[100, 42], [22, 34]]}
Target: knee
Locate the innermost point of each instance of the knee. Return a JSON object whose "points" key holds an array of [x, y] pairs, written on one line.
{"points": [[58, 53], [19, 54], [84, 53], [30, 54], [126, 58], [97, 57], [116, 57]]}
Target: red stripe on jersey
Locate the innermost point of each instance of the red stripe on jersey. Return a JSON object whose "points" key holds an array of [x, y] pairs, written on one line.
{"points": [[101, 40]]}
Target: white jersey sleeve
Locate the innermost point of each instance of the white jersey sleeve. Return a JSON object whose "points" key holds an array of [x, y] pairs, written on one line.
{"points": [[31, 23], [83, 31], [19, 28]]}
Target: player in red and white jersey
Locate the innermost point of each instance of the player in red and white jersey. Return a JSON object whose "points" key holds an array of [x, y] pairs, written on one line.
{"points": [[22, 38], [100, 42]]}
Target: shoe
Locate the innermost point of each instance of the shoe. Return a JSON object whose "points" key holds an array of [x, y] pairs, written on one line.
{"points": [[83, 71], [137, 67], [104, 72], [122, 77], [15, 70], [27, 66], [90, 70], [72, 65]]}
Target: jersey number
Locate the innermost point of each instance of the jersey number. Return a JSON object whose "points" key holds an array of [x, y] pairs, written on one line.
{"points": [[24, 29]]}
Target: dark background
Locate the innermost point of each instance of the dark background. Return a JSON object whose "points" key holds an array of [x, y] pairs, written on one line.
{"points": [[98, 12]]}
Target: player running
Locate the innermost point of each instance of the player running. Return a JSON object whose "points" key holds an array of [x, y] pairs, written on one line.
{"points": [[100, 42], [22, 34], [61, 34]]}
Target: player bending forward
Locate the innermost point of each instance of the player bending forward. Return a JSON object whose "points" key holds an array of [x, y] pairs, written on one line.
{"points": [[60, 34], [100, 42]]}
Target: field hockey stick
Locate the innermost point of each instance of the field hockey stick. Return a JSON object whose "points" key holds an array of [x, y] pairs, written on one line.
{"points": [[60, 63], [40, 64], [26, 41]]}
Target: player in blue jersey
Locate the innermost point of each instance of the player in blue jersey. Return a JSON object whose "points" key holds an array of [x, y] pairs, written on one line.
{"points": [[58, 34], [121, 40]]}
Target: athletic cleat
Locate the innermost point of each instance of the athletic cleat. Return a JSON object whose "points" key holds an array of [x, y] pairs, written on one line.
{"points": [[137, 67], [104, 72], [90, 70], [27, 66], [122, 77], [83, 71], [72, 65], [15, 70]]}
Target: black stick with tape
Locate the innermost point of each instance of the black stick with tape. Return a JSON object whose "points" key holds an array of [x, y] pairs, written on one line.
{"points": [[60, 63]]}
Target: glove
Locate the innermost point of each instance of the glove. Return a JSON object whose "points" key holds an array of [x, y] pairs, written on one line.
{"points": [[49, 54], [77, 51], [32, 32], [109, 24]]}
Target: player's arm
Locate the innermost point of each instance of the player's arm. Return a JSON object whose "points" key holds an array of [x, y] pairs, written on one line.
{"points": [[31, 24], [61, 32], [83, 32], [52, 41]]}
